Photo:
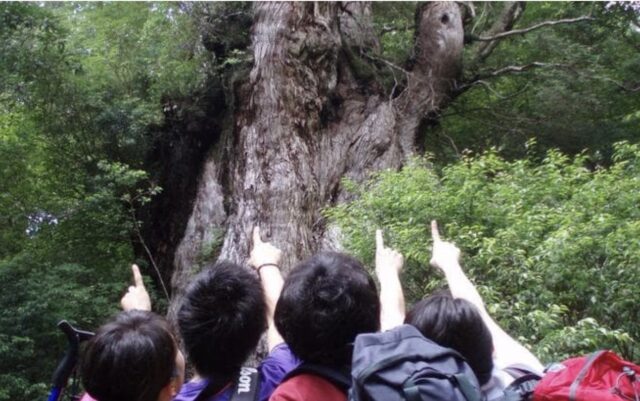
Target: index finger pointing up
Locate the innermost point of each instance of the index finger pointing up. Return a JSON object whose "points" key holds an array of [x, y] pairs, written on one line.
{"points": [[379, 239], [435, 234], [137, 277]]}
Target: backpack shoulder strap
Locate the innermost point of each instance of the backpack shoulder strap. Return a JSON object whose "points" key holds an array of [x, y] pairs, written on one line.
{"points": [[470, 392], [247, 385], [523, 385], [339, 378], [518, 370]]}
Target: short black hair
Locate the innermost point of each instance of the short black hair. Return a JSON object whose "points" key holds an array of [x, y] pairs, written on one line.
{"points": [[130, 358], [326, 301], [456, 323], [221, 319]]}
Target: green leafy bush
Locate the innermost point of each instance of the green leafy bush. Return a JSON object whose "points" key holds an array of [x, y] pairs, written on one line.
{"points": [[36, 295], [552, 245]]}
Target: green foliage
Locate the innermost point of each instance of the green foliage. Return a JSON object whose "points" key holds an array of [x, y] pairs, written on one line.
{"points": [[73, 264], [43, 294], [551, 244], [576, 102], [141, 50], [31, 44], [81, 83], [211, 248], [394, 21], [582, 98]]}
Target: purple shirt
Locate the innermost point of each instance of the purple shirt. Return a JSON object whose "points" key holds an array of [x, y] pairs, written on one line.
{"points": [[273, 368]]}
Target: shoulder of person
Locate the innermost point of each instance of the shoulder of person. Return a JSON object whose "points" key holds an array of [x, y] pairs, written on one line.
{"points": [[277, 364], [308, 387]]}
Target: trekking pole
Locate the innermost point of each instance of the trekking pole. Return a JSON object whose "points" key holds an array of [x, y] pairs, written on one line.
{"points": [[67, 365]]}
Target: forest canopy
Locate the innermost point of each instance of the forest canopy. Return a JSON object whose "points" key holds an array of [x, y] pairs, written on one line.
{"points": [[126, 136]]}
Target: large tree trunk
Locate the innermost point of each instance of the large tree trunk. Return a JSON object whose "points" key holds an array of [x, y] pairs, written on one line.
{"points": [[306, 116]]}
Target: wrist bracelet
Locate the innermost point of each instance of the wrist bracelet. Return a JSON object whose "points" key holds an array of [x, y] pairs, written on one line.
{"points": [[266, 264]]}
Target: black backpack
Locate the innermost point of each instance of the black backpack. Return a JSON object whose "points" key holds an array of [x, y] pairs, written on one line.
{"points": [[401, 364]]}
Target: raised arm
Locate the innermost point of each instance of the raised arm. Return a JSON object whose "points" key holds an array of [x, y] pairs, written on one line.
{"points": [[137, 296], [446, 257], [389, 263], [265, 258]]}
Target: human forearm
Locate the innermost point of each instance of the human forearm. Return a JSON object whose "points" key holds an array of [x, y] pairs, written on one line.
{"points": [[272, 282], [507, 350], [389, 263], [265, 258], [461, 287], [392, 306]]}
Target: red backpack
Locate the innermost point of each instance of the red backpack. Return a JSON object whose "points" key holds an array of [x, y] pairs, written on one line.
{"points": [[601, 376]]}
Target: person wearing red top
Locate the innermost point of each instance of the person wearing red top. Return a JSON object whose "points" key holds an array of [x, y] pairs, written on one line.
{"points": [[326, 301]]}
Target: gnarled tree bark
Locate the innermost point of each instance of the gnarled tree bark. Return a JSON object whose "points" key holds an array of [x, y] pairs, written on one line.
{"points": [[307, 115], [271, 145]]}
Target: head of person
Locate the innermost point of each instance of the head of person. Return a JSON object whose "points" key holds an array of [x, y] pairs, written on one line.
{"points": [[221, 319], [326, 301], [456, 323], [133, 357]]}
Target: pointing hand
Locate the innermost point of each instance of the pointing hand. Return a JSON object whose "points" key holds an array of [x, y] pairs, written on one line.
{"points": [[137, 296], [387, 260], [263, 252], [445, 254]]}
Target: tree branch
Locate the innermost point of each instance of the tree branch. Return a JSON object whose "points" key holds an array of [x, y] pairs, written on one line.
{"points": [[479, 78], [486, 84], [388, 63], [511, 12], [463, 88], [503, 35], [453, 144], [515, 69], [480, 18], [394, 28], [624, 87], [138, 232]]}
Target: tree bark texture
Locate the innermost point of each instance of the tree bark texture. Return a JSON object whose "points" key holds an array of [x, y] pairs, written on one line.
{"points": [[306, 116]]}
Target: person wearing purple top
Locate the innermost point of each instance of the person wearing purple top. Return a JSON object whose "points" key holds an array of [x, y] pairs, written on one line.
{"points": [[224, 313], [272, 369]]}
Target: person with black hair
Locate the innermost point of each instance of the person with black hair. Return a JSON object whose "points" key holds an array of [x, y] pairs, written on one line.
{"points": [[134, 356], [456, 323], [224, 312], [460, 320], [327, 300]]}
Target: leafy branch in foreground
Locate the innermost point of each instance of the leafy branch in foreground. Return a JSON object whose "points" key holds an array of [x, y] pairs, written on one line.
{"points": [[551, 244]]}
